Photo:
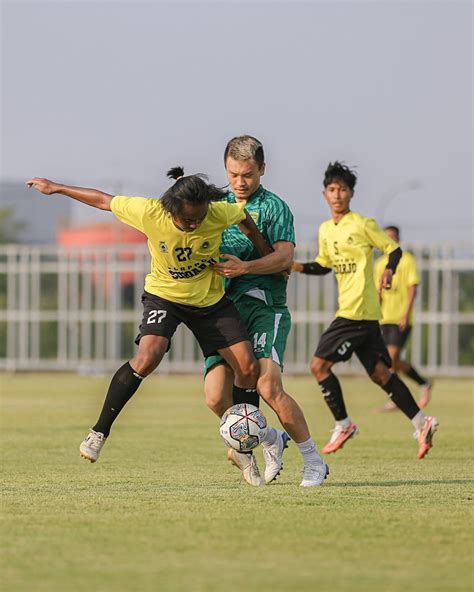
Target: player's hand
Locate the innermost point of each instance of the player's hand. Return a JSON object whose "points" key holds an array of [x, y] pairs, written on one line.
{"points": [[43, 185], [386, 279], [231, 268], [298, 267], [403, 324]]}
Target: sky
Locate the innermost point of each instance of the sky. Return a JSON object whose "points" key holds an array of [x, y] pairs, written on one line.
{"points": [[111, 94]]}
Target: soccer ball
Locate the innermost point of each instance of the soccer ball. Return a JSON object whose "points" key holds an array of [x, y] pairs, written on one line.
{"points": [[243, 427]]}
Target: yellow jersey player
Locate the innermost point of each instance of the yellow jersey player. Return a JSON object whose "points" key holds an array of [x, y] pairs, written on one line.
{"points": [[397, 315], [346, 244], [184, 230]]}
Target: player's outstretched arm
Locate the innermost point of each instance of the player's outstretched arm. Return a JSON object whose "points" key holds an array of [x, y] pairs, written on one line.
{"points": [[249, 228], [311, 268], [91, 197]]}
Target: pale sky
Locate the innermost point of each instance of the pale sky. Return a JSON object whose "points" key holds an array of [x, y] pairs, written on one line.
{"points": [[111, 94]]}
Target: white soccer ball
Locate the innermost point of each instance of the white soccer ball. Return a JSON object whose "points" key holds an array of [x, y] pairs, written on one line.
{"points": [[243, 427]]}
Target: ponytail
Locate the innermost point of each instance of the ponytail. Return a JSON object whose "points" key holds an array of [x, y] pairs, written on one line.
{"points": [[175, 173]]}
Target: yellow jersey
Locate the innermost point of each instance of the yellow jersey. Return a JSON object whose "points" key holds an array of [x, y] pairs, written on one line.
{"points": [[180, 261], [347, 247], [395, 301]]}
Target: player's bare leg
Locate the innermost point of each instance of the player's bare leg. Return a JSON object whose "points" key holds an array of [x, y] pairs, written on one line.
{"points": [[218, 387], [291, 416], [244, 365]]}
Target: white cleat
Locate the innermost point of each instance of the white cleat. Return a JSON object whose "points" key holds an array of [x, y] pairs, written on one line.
{"points": [[314, 475], [91, 446], [273, 456], [248, 465]]}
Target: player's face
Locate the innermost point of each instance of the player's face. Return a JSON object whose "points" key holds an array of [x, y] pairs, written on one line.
{"points": [[338, 196], [392, 234], [243, 176], [190, 216]]}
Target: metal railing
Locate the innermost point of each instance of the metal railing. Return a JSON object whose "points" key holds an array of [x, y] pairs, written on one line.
{"points": [[79, 309]]}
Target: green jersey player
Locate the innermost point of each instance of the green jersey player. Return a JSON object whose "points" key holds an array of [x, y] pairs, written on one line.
{"points": [[257, 286]]}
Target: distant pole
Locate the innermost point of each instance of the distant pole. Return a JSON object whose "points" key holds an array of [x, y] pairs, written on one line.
{"points": [[388, 197]]}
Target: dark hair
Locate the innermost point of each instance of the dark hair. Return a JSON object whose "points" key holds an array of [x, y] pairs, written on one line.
{"points": [[245, 148], [394, 229], [192, 189], [338, 171]]}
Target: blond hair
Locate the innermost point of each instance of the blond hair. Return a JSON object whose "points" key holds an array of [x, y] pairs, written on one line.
{"points": [[245, 148]]}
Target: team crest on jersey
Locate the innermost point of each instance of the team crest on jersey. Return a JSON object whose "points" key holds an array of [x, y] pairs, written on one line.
{"points": [[205, 245], [350, 240], [254, 216], [162, 247]]}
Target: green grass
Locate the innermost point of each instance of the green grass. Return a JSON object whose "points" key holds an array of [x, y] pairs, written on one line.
{"points": [[163, 510]]}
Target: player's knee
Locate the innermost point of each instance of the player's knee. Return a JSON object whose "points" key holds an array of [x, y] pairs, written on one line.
{"points": [[249, 371], [395, 359], [380, 375], [319, 368], [215, 405], [145, 362], [269, 389]]}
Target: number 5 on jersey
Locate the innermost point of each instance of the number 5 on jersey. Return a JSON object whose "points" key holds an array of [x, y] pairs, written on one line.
{"points": [[155, 316]]}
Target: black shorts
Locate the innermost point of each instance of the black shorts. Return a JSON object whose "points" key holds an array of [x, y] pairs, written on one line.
{"points": [[393, 335], [344, 337], [214, 327]]}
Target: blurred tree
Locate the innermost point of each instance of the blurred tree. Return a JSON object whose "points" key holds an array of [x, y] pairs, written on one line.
{"points": [[9, 228]]}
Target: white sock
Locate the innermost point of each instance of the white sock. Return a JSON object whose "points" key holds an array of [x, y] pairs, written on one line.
{"points": [[271, 437], [344, 423], [418, 420], [309, 452]]}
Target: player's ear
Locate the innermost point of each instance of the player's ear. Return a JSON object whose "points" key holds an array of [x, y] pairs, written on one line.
{"points": [[262, 170]]}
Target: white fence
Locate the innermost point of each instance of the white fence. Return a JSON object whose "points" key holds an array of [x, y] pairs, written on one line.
{"points": [[79, 309]]}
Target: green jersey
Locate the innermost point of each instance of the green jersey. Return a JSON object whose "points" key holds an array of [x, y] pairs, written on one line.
{"points": [[274, 219]]}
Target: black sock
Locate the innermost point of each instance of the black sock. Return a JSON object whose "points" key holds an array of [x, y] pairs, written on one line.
{"points": [[332, 394], [413, 374], [245, 395], [401, 396], [124, 384]]}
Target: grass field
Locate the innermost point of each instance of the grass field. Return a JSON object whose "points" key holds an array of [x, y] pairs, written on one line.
{"points": [[163, 510]]}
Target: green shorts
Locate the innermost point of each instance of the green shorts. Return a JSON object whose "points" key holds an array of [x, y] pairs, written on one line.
{"points": [[268, 327]]}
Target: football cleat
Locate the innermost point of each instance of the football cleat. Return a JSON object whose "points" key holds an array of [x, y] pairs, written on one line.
{"points": [[272, 454], [91, 446], [248, 465], [339, 437], [314, 475], [425, 394], [425, 436]]}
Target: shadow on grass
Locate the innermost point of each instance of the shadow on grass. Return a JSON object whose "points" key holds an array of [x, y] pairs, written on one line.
{"points": [[402, 483]]}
